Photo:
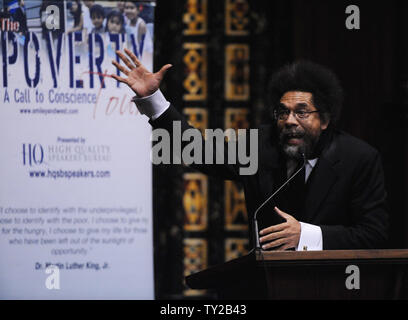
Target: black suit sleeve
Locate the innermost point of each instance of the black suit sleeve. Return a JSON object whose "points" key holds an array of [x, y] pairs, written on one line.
{"points": [[225, 170], [368, 228]]}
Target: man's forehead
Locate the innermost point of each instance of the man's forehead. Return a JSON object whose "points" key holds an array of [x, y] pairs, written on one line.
{"points": [[295, 97]]}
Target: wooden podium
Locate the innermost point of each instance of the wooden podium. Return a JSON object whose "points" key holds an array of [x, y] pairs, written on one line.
{"points": [[383, 274]]}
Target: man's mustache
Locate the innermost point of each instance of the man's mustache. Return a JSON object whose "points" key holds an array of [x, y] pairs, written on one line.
{"points": [[287, 134]]}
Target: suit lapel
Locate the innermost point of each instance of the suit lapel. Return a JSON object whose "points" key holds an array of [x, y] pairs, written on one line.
{"points": [[270, 172], [271, 165], [321, 180]]}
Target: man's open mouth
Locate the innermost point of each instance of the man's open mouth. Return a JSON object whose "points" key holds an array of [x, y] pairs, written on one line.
{"points": [[294, 139]]}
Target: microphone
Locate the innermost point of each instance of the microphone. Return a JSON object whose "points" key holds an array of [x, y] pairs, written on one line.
{"points": [[257, 243]]}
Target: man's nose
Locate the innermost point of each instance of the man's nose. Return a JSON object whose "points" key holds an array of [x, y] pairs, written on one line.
{"points": [[291, 120]]}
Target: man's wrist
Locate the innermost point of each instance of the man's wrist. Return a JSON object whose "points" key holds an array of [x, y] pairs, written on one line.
{"points": [[310, 237], [153, 105]]}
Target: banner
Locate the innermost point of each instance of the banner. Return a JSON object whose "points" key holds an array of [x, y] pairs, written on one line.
{"points": [[76, 175]]}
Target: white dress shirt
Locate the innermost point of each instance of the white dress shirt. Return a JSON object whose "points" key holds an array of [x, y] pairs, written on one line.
{"points": [[155, 105]]}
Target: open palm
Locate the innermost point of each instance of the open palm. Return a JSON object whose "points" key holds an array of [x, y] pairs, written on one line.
{"points": [[139, 79]]}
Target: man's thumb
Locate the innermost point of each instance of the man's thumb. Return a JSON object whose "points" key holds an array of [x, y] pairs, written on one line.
{"points": [[163, 70], [281, 213]]}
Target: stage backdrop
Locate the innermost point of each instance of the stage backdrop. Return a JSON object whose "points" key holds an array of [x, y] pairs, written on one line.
{"points": [[76, 175]]}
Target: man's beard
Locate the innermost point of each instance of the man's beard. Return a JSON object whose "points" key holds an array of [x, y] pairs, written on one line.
{"points": [[293, 151]]}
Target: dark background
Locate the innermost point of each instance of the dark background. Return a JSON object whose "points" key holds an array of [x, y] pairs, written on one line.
{"points": [[371, 64]]}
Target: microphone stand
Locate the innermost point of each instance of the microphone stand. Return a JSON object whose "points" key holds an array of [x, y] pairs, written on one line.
{"points": [[257, 242]]}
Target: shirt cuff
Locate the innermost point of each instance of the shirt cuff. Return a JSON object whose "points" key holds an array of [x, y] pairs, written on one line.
{"points": [[311, 238], [152, 106]]}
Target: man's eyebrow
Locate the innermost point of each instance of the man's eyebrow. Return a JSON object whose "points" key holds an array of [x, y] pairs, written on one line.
{"points": [[297, 106], [301, 105]]}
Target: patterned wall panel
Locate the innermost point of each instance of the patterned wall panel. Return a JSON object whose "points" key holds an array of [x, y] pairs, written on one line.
{"points": [[195, 185], [195, 259], [235, 210], [197, 117], [195, 61], [235, 248], [236, 118], [195, 202], [195, 17], [236, 217], [236, 17], [237, 72]]}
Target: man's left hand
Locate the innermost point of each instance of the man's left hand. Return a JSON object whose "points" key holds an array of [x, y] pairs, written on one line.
{"points": [[281, 236]]}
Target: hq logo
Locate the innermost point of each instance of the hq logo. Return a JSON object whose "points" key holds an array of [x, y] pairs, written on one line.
{"points": [[33, 154]]}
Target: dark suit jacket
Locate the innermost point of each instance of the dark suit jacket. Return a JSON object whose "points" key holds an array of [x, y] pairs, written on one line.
{"points": [[346, 195]]}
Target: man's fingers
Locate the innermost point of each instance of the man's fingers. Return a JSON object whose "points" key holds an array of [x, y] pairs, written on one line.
{"points": [[285, 247], [275, 243], [273, 236], [120, 79], [132, 56], [163, 71], [274, 228], [129, 64], [120, 67]]}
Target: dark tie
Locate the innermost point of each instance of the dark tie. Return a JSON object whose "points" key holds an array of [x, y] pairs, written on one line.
{"points": [[296, 195]]}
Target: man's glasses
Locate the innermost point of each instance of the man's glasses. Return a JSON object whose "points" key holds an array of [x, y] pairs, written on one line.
{"points": [[283, 114]]}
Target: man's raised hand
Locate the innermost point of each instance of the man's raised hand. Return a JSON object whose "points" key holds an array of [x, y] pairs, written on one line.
{"points": [[139, 79]]}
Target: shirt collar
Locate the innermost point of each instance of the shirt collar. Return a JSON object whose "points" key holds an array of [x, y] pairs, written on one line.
{"points": [[312, 162]]}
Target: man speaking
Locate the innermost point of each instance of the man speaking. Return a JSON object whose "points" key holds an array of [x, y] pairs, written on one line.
{"points": [[316, 187]]}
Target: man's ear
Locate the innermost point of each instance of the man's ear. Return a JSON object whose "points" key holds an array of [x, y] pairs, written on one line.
{"points": [[324, 122]]}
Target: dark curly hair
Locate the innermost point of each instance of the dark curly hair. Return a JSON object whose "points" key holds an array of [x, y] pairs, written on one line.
{"points": [[306, 76]]}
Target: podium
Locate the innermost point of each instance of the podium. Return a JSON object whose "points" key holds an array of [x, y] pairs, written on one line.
{"points": [[327, 274]]}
